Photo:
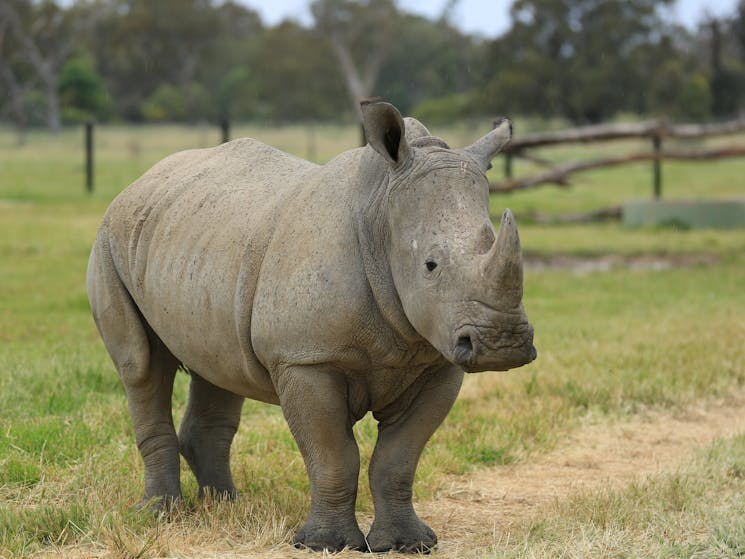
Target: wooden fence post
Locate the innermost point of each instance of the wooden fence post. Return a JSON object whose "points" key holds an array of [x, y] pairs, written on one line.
{"points": [[657, 165], [89, 157], [225, 130], [311, 149], [507, 166]]}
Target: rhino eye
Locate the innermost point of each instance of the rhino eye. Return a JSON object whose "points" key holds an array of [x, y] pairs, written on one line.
{"points": [[431, 265]]}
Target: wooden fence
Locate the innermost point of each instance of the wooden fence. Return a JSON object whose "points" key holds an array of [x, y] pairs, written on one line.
{"points": [[89, 151], [656, 131]]}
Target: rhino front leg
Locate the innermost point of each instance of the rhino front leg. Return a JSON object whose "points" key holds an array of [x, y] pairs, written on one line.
{"points": [[314, 402], [206, 433], [402, 434]]}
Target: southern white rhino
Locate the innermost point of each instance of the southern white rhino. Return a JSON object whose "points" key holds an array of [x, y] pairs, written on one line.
{"points": [[368, 284]]}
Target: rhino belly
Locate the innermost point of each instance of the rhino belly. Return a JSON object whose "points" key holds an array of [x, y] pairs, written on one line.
{"points": [[199, 322]]}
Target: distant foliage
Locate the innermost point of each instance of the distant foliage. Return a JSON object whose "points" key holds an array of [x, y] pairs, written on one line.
{"points": [[210, 60], [591, 59], [694, 101], [448, 108], [82, 91]]}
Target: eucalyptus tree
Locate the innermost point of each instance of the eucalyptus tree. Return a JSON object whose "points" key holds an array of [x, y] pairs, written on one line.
{"points": [[42, 36], [578, 58]]}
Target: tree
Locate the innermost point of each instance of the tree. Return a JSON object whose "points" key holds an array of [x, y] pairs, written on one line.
{"points": [[234, 95], [360, 34], [148, 44], [578, 58], [13, 101], [214, 59], [726, 72], [431, 59], [81, 89], [299, 84], [44, 35], [230, 65], [738, 27]]}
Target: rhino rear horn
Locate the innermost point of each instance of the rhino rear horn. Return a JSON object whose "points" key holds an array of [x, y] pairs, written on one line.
{"points": [[385, 131], [484, 149]]}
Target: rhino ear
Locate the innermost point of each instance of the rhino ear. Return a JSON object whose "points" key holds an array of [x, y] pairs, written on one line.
{"points": [[484, 149], [385, 131]]}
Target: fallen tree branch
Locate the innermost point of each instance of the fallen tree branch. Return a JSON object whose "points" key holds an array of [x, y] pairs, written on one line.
{"points": [[619, 131], [599, 132], [540, 161], [711, 129], [560, 175]]}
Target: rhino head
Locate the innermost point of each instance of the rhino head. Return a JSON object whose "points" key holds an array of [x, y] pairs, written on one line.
{"points": [[459, 281]]}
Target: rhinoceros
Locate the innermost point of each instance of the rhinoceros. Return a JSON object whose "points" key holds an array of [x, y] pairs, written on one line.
{"points": [[368, 284]]}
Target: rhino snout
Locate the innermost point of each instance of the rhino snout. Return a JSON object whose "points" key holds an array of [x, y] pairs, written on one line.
{"points": [[493, 350]]}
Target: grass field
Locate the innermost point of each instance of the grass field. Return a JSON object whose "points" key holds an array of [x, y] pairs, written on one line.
{"points": [[610, 344]]}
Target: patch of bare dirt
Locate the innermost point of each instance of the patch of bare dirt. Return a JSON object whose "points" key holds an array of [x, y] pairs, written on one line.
{"points": [[471, 509], [589, 264]]}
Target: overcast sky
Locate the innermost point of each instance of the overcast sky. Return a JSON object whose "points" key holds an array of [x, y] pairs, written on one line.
{"points": [[486, 17]]}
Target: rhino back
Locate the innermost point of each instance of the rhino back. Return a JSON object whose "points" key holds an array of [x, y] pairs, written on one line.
{"points": [[188, 239]]}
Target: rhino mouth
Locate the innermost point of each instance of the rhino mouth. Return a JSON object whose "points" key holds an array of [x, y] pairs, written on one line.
{"points": [[491, 350]]}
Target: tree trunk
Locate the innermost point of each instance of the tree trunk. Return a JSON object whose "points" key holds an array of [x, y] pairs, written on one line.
{"points": [[359, 84], [15, 94], [47, 67], [53, 109]]}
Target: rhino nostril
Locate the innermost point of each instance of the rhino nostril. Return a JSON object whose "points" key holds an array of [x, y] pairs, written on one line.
{"points": [[465, 344], [463, 352]]}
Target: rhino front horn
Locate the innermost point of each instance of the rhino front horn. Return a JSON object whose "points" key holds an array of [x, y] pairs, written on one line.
{"points": [[504, 264], [484, 149]]}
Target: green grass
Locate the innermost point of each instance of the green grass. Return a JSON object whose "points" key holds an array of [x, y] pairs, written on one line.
{"points": [[609, 344]]}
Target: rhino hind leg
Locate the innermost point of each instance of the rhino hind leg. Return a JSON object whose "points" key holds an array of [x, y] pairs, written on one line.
{"points": [[150, 409], [206, 433], [314, 403], [401, 439], [147, 369]]}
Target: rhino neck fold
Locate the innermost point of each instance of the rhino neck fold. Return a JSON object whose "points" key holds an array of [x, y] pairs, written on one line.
{"points": [[372, 236]]}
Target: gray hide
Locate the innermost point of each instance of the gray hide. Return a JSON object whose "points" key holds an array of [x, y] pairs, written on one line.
{"points": [[368, 284]]}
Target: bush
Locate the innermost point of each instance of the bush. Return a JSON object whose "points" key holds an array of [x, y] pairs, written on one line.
{"points": [[449, 108], [172, 103], [82, 92], [695, 99]]}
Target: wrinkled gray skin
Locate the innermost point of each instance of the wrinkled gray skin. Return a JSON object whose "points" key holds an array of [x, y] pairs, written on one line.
{"points": [[368, 284]]}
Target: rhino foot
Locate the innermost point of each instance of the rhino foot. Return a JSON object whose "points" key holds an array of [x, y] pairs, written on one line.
{"points": [[213, 493], [408, 536], [159, 504], [331, 538], [206, 433]]}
